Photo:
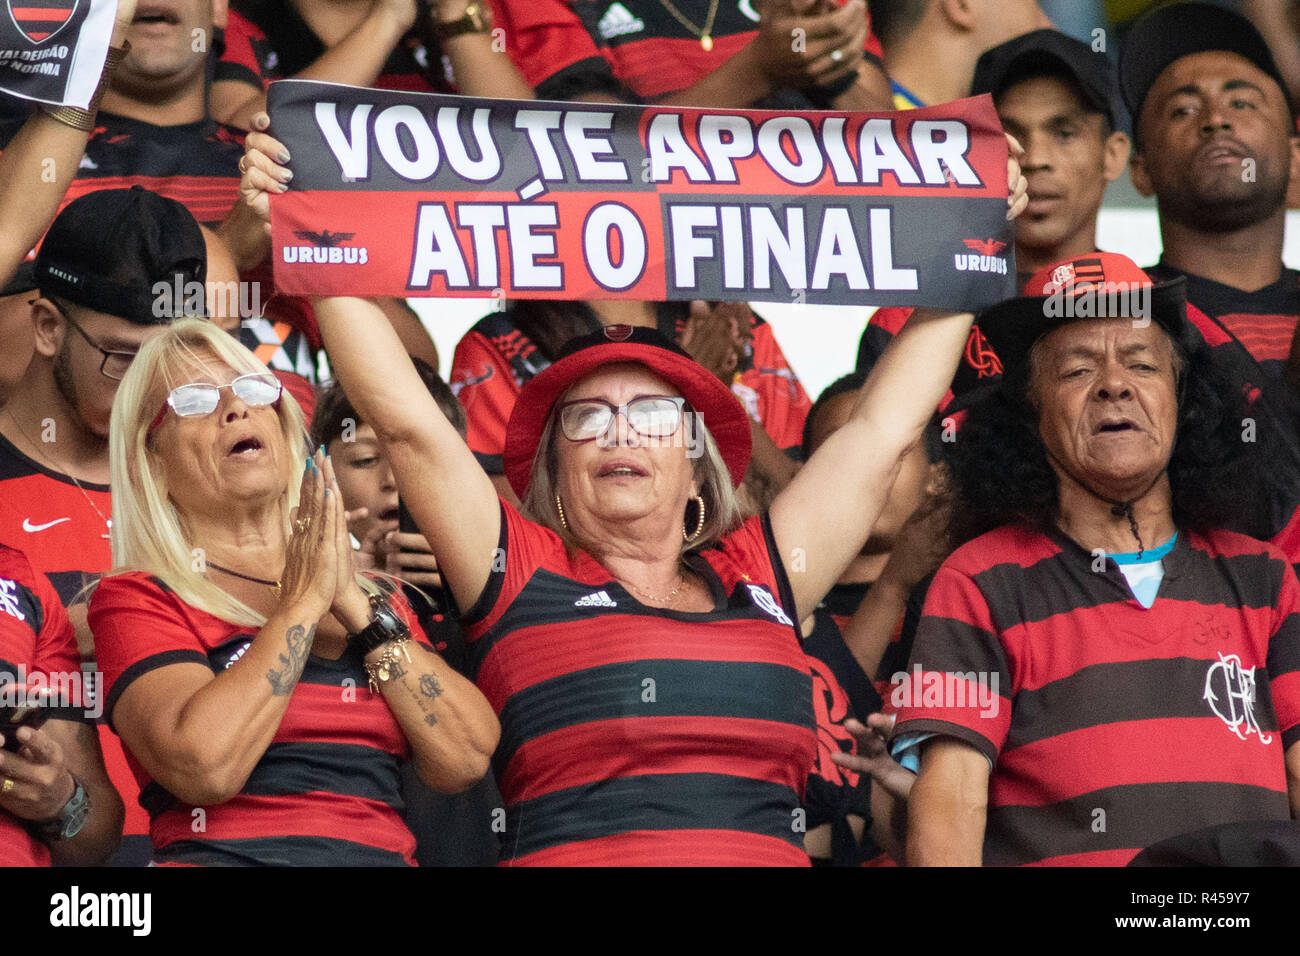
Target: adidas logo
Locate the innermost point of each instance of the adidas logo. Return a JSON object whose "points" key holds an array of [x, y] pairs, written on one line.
{"points": [[599, 599], [618, 21]]}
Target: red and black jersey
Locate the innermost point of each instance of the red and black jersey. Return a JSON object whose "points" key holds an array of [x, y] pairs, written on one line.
{"points": [[62, 528], [36, 641], [196, 164], [64, 533], [979, 363], [630, 49], [1110, 726], [327, 790], [1261, 322], [840, 690], [267, 40], [494, 359], [634, 735], [245, 55], [1250, 336]]}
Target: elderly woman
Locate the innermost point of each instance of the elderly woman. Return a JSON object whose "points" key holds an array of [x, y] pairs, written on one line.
{"points": [[265, 692], [1108, 666], [637, 639]]}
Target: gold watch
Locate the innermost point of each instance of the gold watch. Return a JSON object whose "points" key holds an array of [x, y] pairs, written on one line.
{"points": [[477, 19]]}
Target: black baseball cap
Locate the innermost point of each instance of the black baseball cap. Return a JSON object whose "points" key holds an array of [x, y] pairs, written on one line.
{"points": [[1051, 52], [1172, 32], [110, 249], [24, 280]]}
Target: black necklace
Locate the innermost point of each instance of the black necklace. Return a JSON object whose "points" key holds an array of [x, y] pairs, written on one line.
{"points": [[274, 585]]}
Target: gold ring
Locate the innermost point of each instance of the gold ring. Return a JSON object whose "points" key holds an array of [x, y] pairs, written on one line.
{"points": [[8, 785], [300, 525], [243, 160]]}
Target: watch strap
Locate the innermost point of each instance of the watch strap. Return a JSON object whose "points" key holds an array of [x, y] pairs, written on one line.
{"points": [[477, 19], [69, 821], [385, 625]]}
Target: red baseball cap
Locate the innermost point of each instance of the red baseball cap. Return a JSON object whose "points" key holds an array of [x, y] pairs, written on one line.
{"points": [[1098, 285], [708, 396]]}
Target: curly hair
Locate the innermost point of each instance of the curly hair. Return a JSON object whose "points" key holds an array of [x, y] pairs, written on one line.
{"points": [[1230, 466]]}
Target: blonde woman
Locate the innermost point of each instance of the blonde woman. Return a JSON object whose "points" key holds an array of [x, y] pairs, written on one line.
{"points": [[260, 685]]}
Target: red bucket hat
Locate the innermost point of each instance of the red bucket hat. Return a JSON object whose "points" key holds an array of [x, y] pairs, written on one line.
{"points": [[709, 398]]}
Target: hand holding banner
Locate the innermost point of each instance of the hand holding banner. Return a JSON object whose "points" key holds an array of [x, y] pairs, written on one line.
{"points": [[408, 194], [52, 51]]}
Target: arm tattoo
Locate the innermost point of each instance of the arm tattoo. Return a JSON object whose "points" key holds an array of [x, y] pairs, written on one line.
{"points": [[430, 688], [298, 640]]}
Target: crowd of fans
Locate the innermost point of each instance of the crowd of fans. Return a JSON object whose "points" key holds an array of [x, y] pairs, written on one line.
{"points": [[1019, 588]]}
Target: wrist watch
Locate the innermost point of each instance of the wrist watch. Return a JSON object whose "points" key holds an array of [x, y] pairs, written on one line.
{"points": [[68, 822], [384, 626], [476, 19]]}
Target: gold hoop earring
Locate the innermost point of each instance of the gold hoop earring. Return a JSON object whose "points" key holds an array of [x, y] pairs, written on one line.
{"points": [[699, 525], [560, 508]]}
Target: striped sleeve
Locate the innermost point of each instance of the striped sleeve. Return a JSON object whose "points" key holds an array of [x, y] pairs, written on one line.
{"points": [[1284, 658], [138, 628], [959, 681]]}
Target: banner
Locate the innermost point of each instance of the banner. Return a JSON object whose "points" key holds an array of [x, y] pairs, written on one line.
{"points": [[53, 51], [408, 194]]}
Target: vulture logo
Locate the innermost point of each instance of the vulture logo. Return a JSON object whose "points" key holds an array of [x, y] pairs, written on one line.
{"points": [[41, 20]]}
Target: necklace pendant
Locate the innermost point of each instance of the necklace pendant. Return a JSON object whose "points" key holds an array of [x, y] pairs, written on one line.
{"points": [[706, 41]]}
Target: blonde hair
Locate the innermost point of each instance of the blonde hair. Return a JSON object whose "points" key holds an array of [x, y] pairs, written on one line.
{"points": [[722, 510], [148, 534]]}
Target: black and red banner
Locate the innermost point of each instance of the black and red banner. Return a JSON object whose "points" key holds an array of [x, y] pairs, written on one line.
{"points": [[53, 51], [409, 194]]}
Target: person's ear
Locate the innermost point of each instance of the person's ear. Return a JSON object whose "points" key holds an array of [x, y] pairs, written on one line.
{"points": [[1115, 155], [48, 327], [961, 13], [220, 14], [1137, 173]]}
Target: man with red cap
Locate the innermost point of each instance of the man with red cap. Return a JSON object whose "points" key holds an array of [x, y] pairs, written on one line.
{"points": [[1102, 652]]}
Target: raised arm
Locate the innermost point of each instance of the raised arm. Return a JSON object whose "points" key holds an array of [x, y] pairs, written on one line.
{"points": [[450, 497], [36, 168], [827, 511]]}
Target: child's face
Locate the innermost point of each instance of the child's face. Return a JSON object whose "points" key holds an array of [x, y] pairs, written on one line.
{"points": [[366, 481]]}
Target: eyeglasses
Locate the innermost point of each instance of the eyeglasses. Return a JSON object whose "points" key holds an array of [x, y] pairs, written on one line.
{"points": [[202, 398], [115, 363], [651, 416]]}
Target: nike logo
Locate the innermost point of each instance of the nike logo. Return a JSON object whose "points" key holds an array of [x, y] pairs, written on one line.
{"points": [[29, 527]]}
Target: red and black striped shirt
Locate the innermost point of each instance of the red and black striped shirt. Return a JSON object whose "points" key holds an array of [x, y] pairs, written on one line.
{"points": [[327, 790], [35, 638], [1250, 335], [1110, 726], [63, 530], [630, 49], [639, 736]]}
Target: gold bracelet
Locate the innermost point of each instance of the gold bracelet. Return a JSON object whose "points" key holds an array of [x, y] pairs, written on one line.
{"points": [[382, 670], [84, 120]]}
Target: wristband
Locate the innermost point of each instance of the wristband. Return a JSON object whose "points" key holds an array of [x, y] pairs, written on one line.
{"points": [[823, 96], [84, 120]]}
